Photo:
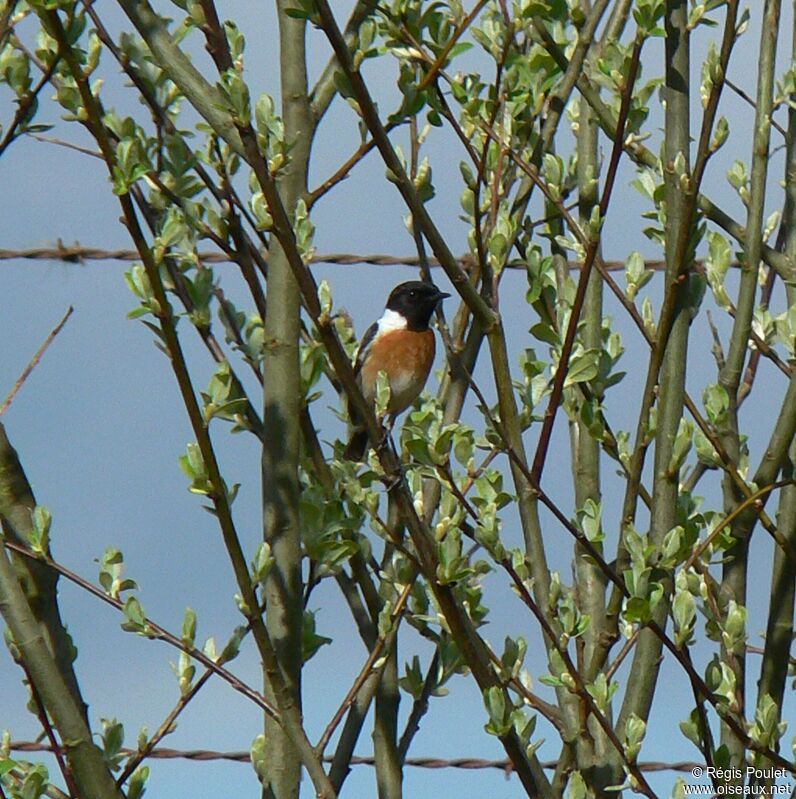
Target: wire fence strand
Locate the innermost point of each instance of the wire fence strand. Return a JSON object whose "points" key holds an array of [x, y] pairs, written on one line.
{"points": [[77, 253], [465, 763]]}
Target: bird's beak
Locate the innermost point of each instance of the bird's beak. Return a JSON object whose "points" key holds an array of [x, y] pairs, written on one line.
{"points": [[441, 295]]}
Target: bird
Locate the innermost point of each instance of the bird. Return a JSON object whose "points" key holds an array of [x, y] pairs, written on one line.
{"points": [[400, 344]]}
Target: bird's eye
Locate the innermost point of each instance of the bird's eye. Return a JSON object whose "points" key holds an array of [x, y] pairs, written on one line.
{"points": [[413, 294]]}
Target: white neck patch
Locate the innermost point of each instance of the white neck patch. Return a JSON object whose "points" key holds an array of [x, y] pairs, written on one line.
{"points": [[391, 320]]}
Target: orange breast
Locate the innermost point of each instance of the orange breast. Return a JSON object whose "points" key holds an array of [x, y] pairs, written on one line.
{"points": [[406, 357]]}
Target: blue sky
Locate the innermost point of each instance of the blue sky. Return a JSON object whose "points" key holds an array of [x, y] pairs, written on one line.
{"points": [[99, 427]]}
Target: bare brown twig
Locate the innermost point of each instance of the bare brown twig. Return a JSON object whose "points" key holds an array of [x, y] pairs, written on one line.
{"points": [[34, 362], [44, 720], [540, 457], [379, 647], [153, 630]]}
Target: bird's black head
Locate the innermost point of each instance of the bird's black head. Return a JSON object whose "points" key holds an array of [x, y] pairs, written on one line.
{"points": [[415, 301]]}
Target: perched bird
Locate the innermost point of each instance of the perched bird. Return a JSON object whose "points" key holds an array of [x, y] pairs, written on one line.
{"points": [[400, 344]]}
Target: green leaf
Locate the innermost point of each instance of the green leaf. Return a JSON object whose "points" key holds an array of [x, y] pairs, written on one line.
{"points": [[136, 785], [545, 332], [636, 275], [513, 655], [189, 627], [193, 466], [382, 394], [413, 681], [263, 562], [134, 613], [682, 445], [692, 729], [35, 782], [716, 402], [311, 642], [112, 741], [589, 519], [39, 537], [684, 612], [734, 628], [602, 691], [499, 715], [583, 367], [767, 729], [638, 610], [259, 760], [635, 730], [6, 765], [576, 787], [705, 452]]}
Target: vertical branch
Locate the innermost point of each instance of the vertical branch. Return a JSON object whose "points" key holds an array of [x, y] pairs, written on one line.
{"points": [[284, 591], [602, 644], [389, 771], [646, 660], [693, 200], [590, 580], [779, 627], [734, 576], [577, 743], [282, 393]]}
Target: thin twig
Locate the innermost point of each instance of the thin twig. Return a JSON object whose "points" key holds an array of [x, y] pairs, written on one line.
{"points": [[623, 653], [344, 170], [153, 630], [34, 362], [746, 98], [25, 108], [369, 667], [577, 680], [44, 720], [67, 144], [168, 725], [540, 458], [436, 67], [752, 499]]}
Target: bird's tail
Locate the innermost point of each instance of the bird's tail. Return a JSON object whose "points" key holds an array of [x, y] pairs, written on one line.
{"points": [[357, 445]]}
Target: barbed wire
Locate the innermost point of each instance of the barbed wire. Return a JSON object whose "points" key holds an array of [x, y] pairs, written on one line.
{"points": [[77, 253], [465, 763]]}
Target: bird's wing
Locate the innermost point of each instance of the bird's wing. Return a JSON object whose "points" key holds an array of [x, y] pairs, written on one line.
{"points": [[364, 345]]}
